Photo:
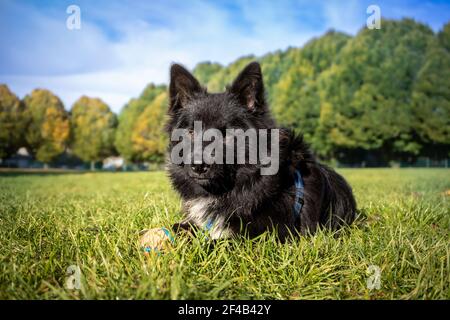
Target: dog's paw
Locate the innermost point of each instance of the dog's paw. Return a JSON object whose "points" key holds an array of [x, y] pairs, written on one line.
{"points": [[155, 240]]}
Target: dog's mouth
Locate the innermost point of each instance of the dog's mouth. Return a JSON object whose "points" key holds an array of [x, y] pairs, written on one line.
{"points": [[209, 184], [212, 183], [202, 180]]}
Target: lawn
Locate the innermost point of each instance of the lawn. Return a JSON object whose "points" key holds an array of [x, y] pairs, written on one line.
{"points": [[49, 222]]}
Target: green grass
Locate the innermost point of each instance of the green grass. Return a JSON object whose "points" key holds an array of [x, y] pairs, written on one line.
{"points": [[49, 222]]}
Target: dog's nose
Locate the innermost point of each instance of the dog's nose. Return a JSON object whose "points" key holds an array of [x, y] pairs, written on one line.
{"points": [[200, 168]]}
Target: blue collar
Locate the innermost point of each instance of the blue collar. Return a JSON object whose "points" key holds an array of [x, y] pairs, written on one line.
{"points": [[209, 225], [299, 194]]}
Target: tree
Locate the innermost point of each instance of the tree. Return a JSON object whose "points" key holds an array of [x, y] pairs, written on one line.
{"points": [[431, 102], [369, 91], [48, 127], [148, 137], [93, 129], [297, 97], [444, 37], [205, 70], [127, 121], [12, 122]]}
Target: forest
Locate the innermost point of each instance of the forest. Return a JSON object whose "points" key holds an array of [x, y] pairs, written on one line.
{"points": [[374, 99]]}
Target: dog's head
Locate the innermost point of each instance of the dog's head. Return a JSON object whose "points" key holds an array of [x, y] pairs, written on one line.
{"points": [[241, 106]]}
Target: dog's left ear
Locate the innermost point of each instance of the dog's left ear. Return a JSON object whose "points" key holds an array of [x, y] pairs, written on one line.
{"points": [[249, 87]]}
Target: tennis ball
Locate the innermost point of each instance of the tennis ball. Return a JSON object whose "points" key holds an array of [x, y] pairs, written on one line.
{"points": [[155, 240]]}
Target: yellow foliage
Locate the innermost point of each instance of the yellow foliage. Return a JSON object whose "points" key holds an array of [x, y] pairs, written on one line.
{"points": [[148, 135], [49, 129]]}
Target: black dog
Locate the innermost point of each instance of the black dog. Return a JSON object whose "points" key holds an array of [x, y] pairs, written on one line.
{"points": [[230, 199]]}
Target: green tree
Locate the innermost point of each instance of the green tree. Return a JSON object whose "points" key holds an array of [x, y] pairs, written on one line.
{"points": [[48, 127], [297, 97], [444, 36], [431, 102], [127, 121], [93, 129], [12, 122], [369, 90], [205, 70]]}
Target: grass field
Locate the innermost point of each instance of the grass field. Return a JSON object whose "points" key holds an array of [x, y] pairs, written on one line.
{"points": [[49, 222]]}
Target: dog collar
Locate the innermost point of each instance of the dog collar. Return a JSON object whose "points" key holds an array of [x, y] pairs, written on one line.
{"points": [[299, 194]]}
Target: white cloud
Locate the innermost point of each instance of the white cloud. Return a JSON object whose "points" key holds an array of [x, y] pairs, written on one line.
{"points": [[345, 16]]}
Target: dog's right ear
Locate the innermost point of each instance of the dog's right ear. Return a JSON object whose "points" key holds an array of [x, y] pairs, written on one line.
{"points": [[183, 87]]}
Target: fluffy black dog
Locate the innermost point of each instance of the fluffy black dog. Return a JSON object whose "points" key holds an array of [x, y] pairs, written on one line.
{"points": [[230, 199]]}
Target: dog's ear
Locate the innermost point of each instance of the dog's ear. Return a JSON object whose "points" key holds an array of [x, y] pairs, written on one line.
{"points": [[249, 87], [183, 87]]}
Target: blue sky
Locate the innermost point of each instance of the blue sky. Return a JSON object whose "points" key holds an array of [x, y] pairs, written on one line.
{"points": [[124, 45]]}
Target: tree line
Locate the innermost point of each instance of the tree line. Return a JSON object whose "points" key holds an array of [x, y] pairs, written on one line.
{"points": [[382, 95], [40, 123]]}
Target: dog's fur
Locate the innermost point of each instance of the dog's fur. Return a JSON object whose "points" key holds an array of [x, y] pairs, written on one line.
{"points": [[237, 197]]}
